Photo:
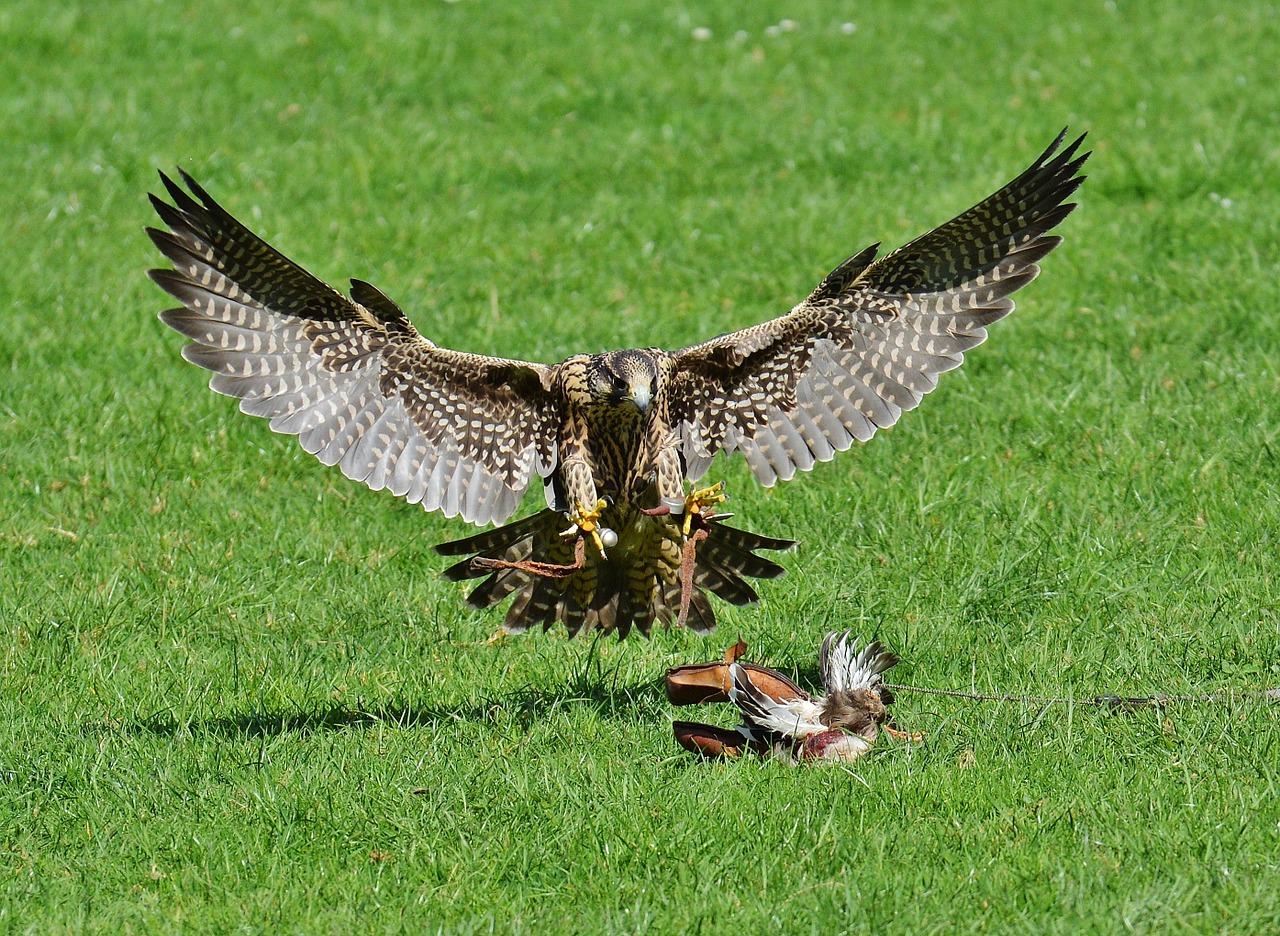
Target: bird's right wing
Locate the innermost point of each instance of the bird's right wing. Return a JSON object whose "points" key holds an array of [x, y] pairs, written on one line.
{"points": [[795, 718], [351, 377], [846, 668]]}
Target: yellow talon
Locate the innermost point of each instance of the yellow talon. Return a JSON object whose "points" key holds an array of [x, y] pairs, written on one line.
{"points": [[588, 522], [696, 504]]}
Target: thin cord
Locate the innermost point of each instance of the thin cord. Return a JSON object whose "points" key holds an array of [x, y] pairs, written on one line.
{"points": [[1107, 701]]}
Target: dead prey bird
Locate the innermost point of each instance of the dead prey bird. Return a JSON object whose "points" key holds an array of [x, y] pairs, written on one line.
{"points": [[781, 719], [617, 438]]}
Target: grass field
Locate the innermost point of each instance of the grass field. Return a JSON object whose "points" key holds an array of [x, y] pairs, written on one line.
{"points": [[235, 695]]}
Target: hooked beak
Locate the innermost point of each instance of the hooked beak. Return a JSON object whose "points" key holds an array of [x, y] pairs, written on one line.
{"points": [[641, 396]]}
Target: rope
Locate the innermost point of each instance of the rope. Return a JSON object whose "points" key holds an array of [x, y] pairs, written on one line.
{"points": [[1109, 700], [688, 565], [533, 567]]}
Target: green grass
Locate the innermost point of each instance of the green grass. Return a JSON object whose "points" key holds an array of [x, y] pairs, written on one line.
{"points": [[236, 696]]}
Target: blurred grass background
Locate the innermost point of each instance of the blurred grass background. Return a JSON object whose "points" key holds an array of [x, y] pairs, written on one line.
{"points": [[235, 694]]}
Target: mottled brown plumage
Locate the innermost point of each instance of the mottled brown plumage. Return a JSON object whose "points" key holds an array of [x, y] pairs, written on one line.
{"points": [[615, 437]]}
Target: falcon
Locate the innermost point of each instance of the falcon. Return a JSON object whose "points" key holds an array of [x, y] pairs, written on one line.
{"points": [[780, 718], [619, 440]]}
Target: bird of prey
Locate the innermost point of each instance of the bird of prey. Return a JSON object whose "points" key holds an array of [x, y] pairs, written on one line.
{"points": [[615, 437], [778, 717]]}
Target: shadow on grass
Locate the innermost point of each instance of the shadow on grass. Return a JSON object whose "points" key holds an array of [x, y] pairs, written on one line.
{"points": [[522, 707]]}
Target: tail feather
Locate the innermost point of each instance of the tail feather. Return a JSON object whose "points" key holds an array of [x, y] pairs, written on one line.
{"points": [[845, 667], [545, 604], [725, 584], [731, 549], [700, 618], [494, 588], [631, 590], [745, 540], [493, 543], [604, 613], [517, 619], [572, 614]]}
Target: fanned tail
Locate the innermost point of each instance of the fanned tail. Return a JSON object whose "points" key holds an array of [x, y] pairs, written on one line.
{"points": [[638, 586]]}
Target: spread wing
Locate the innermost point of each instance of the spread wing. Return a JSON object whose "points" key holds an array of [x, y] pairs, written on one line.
{"points": [[845, 668], [872, 339], [351, 378], [795, 718]]}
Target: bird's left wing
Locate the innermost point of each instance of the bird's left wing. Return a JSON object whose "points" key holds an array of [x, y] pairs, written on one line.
{"points": [[871, 340], [351, 377], [795, 718]]}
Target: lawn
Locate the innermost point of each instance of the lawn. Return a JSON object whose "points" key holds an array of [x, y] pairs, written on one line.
{"points": [[235, 693]]}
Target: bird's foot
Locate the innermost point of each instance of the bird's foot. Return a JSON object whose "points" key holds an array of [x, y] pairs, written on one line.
{"points": [[584, 522], [701, 504], [899, 735]]}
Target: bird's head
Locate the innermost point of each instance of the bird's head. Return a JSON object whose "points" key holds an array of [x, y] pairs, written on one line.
{"points": [[621, 377], [859, 711]]}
